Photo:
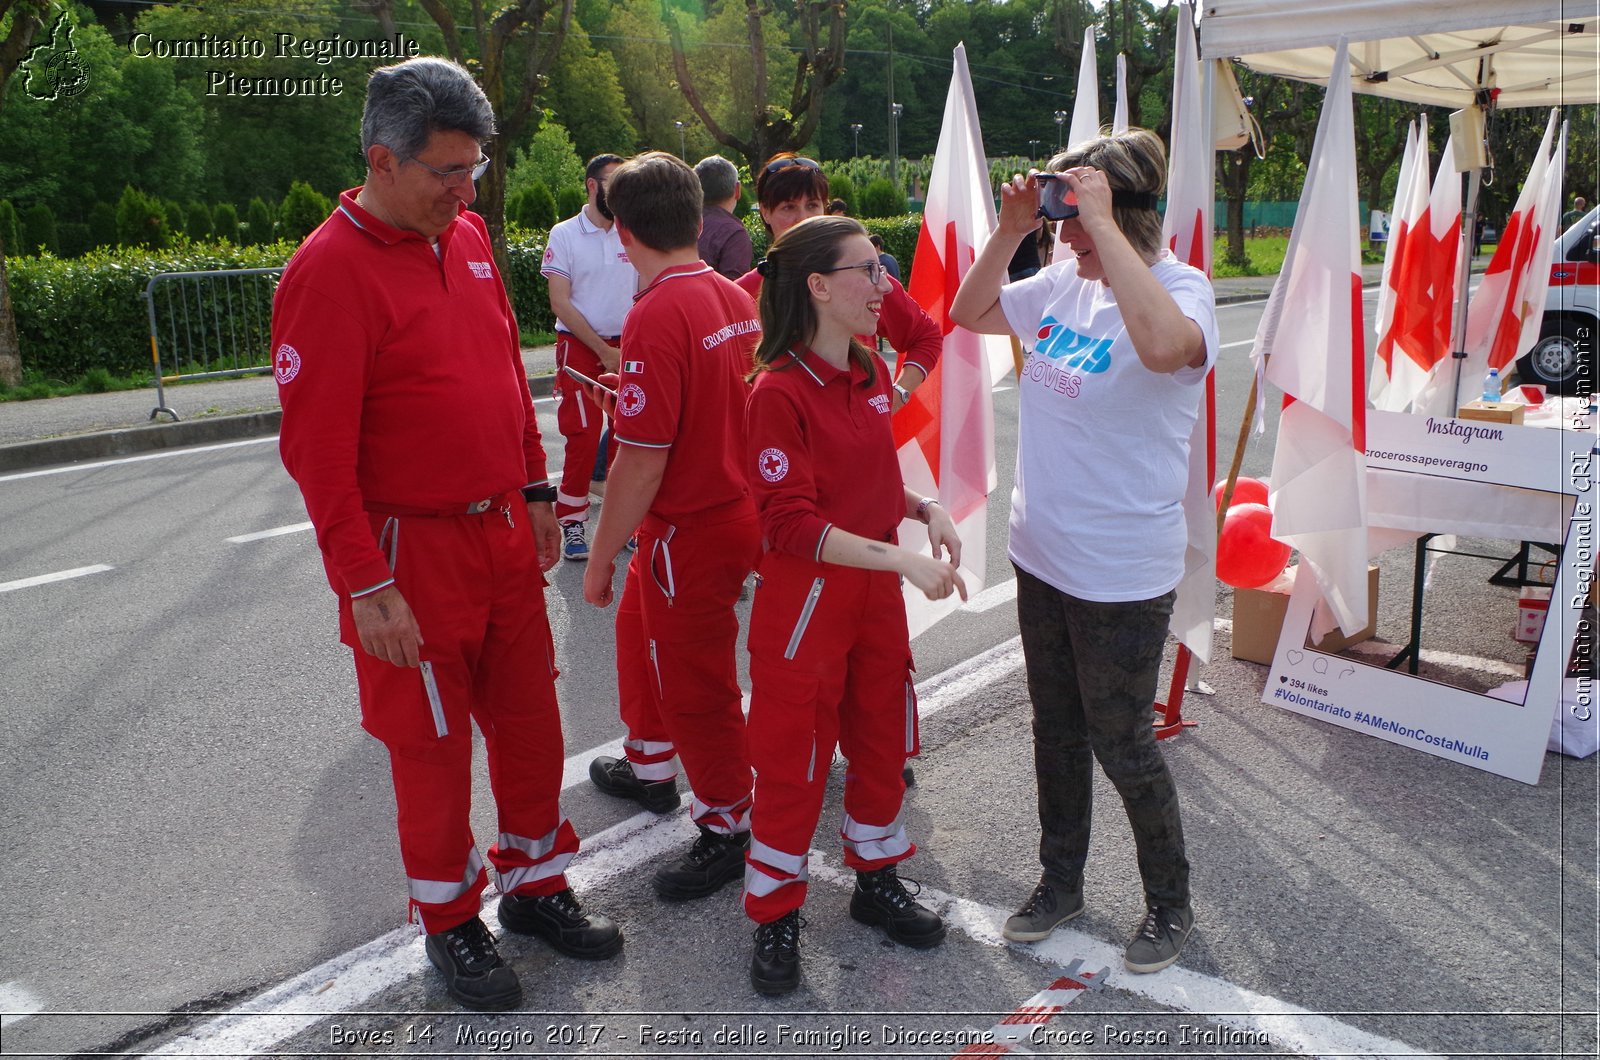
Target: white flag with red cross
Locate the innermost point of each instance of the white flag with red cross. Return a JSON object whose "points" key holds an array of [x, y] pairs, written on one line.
{"points": [[1504, 315], [1186, 229], [945, 433], [1314, 339], [1399, 357]]}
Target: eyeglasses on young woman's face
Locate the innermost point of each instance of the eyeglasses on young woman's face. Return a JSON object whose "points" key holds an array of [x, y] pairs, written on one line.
{"points": [[874, 270]]}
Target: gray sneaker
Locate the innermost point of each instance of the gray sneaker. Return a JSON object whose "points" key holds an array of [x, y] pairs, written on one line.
{"points": [[1045, 908], [1160, 939]]}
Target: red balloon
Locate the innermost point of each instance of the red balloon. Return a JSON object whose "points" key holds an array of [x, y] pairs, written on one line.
{"points": [[1247, 555], [1245, 491]]}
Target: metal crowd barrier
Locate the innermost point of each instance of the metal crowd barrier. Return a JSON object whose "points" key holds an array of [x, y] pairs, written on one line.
{"points": [[215, 325]]}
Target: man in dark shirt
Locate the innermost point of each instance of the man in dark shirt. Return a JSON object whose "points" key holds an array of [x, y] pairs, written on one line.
{"points": [[724, 242]]}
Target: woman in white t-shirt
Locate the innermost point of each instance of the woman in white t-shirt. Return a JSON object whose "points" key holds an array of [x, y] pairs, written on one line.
{"points": [[1120, 337]]}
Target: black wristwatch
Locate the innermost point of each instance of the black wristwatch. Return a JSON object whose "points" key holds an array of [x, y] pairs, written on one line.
{"points": [[546, 494]]}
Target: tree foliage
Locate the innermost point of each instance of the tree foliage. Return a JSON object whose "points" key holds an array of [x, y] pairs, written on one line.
{"points": [[39, 230], [303, 209], [141, 220], [756, 121]]}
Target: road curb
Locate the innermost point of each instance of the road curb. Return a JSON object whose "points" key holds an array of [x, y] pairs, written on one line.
{"points": [[21, 456], [129, 441]]}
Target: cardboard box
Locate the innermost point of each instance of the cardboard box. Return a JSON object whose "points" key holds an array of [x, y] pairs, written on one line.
{"points": [[1258, 619], [1493, 411]]}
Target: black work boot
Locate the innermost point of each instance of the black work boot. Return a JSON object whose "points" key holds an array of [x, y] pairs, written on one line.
{"points": [[561, 921], [473, 972], [775, 965], [881, 899], [615, 776], [714, 860]]}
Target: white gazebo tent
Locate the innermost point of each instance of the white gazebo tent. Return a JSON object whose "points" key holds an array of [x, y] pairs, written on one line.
{"points": [[1451, 53]]}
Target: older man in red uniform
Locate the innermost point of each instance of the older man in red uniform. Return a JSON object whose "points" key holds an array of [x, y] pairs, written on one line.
{"points": [[408, 425]]}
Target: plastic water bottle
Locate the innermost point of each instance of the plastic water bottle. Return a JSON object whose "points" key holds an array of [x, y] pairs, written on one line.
{"points": [[1491, 385]]}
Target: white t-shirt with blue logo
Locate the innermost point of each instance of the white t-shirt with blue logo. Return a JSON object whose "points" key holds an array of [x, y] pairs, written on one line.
{"points": [[1103, 442]]}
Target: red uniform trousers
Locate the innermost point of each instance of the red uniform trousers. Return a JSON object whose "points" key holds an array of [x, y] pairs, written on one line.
{"points": [[677, 674], [474, 585], [830, 663], [580, 423]]}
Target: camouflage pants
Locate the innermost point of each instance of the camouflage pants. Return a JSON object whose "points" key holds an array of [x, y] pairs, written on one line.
{"points": [[1092, 670]]}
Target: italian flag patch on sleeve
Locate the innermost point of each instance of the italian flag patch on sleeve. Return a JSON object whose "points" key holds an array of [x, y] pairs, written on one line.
{"points": [[633, 367]]}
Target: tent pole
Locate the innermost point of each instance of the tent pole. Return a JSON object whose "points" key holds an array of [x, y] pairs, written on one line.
{"points": [[1469, 232]]}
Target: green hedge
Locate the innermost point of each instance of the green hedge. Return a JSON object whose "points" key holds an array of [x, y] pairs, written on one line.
{"points": [[89, 312]]}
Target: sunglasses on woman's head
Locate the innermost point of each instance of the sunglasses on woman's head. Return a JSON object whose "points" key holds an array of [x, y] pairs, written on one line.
{"points": [[784, 163]]}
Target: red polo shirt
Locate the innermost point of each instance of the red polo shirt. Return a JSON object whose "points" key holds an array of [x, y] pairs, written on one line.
{"points": [[401, 379], [820, 454], [687, 344], [910, 330]]}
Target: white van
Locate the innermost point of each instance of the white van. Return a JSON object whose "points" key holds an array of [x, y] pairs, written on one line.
{"points": [[1563, 358]]}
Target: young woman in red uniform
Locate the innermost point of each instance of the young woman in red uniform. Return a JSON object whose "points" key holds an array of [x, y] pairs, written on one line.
{"points": [[830, 659]]}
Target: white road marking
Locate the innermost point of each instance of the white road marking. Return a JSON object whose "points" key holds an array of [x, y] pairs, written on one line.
{"points": [[1241, 342], [1291, 1028], [277, 531], [163, 455], [58, 576], [992, 597], [349, 981], [17, 1003]]}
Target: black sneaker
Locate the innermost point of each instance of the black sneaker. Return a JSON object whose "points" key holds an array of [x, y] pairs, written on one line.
{"points": [[775, 965], [909, 775], [1160, 939], [561, 921], [714, 860], [473, 972], [614, 776], [1046, 908], [881, 899]]}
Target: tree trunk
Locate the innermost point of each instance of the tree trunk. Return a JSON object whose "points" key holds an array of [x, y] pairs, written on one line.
{"points": [[10, 351], [26, 21], [1235, 181]]}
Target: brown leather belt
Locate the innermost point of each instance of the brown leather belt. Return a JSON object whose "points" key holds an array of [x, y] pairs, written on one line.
{"points": [[469, 508]]}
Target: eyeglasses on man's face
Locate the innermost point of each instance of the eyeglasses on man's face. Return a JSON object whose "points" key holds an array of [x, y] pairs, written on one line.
{"points": [[874, 269], [454, 178]]}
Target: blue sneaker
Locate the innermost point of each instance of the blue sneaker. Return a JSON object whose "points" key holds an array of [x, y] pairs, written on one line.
{"points": [[573, 546]]}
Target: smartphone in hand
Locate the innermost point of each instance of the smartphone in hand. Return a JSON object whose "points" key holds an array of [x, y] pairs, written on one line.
{"points": [[586, 381]]}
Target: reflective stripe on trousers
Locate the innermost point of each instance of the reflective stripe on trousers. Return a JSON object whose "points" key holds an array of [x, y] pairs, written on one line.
{"points": [[439, 892], [873, 842]]}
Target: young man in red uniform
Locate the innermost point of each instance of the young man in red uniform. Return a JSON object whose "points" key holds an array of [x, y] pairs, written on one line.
{"points": [[686, 346], [408, 426], [591, 287], [790, 189]]}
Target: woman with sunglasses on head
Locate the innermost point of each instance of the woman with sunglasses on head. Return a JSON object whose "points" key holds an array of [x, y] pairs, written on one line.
{"points": [[830, 659], [1122, 336], [790, 189]]}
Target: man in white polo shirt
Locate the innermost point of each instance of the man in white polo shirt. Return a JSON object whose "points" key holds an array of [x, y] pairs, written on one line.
{"points": [[591, 287]]}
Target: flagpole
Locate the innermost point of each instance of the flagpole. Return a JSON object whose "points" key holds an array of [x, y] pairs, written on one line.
{"points": [[1469, 231]]}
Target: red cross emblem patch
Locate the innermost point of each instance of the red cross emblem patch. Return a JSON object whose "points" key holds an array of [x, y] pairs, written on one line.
{"points": [[286, 363], [773, 464], [630, 400]]}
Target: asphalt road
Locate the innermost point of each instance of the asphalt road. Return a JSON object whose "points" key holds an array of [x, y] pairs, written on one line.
{"points": [[196, 826]]}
